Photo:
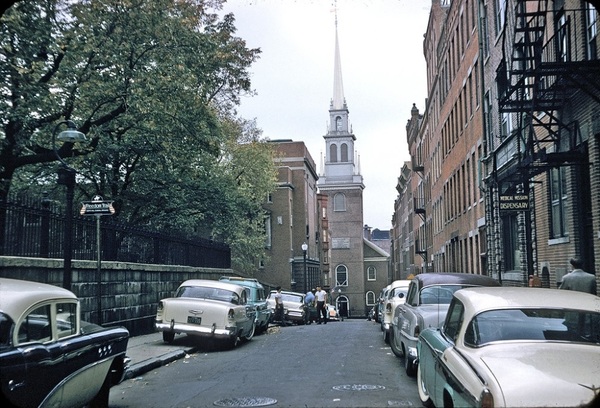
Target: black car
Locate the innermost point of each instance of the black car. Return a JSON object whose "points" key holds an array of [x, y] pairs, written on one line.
{"points": [[48, 356]]}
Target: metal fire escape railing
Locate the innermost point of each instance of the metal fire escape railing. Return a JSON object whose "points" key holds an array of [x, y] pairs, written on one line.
{"points": [[545, 62]]}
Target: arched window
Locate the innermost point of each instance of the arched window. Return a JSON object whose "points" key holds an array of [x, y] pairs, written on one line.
{"points": [[341, 276], [370, 298], [338, 123], [344, 152], [371, 273], [333, 153], [339, 202]]}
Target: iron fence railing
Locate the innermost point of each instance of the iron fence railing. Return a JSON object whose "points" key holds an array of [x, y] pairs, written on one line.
{"points": [[34, 228]]}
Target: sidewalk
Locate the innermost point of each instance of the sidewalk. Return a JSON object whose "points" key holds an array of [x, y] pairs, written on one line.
{"points": [[150, 351]]}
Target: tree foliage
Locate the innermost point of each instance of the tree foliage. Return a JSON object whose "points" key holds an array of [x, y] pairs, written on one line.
{"points": [[154, 85]]}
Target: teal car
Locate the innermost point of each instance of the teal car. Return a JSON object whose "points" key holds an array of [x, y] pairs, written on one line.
{"points": [[257, 297]]}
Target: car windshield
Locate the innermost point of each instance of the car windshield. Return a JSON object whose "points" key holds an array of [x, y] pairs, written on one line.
{"points": [[534, 324], [439, 294], [201, 292]]}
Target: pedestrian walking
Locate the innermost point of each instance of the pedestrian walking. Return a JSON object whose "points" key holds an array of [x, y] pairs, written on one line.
{"points": [[309, 301], [578, 279], [321, 298]]}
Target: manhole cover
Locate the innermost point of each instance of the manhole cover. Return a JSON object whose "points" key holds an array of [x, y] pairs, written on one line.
{"points": [[245, 402], [358, 387]]}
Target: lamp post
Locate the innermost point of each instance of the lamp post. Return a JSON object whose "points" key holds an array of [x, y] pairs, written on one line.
{"points": [[304, 249], [66, 177]]}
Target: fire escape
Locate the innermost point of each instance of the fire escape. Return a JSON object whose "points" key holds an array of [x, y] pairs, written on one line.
{"points": [[419, 208], [548, 57], [545, 62]]}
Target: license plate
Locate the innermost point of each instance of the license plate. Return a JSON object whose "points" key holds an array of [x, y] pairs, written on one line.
{"points": [[194, 320]]}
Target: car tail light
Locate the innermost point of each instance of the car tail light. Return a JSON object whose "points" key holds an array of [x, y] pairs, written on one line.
{"points": [[388, 308], [486, 400], [231, 314]]}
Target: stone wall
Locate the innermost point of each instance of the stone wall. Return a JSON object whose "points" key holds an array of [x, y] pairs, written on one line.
{"points": [[129, 291]]}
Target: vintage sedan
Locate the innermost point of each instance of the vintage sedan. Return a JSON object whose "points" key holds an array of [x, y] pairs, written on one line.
{"points": [[293, 305], [49, 357], [256, 296], [396, 296], [512, 347], [429, 295], [210, 310]]}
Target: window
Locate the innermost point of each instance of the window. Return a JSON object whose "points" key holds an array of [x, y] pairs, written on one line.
{"points": [[333, 153], [500, 10], [339, 202], [454, 320], [562, 37], [591, 31], [371, 273], [341, 276], [344, 153], [37, 326], [370, 298], [558, 203]]}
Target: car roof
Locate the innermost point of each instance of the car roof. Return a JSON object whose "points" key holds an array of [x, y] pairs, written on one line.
{"points": [[16, 296], [212, 284], [399, 283], [287, 292], [437, 278], [241, 281], [486, 298]]}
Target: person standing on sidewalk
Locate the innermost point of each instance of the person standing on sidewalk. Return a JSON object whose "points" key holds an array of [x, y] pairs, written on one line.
{"points": [[321, 298]]}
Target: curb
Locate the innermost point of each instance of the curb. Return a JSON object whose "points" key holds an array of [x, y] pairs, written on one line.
{"points": [[155, 362]]}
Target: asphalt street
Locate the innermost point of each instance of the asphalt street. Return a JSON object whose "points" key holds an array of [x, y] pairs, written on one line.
{"points": [[341, 364]]}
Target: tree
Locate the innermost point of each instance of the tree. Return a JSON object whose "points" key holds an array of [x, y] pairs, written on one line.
{"points": [[154, 85]]}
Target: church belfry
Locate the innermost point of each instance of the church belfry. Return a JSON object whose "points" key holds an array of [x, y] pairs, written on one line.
{"points": [[341, 181]]}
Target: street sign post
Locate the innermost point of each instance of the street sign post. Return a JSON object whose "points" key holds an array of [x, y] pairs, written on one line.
{"points": [[98, 207]]}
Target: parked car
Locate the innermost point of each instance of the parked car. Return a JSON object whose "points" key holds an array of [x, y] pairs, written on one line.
{"points": [[256, 296], [293, 305], [379, 305], [207, 309], [429, 295], [396, 295], [512, 347], [48, 355], [332, 313]]}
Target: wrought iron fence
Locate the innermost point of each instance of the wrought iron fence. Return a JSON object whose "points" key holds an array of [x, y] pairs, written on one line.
{"points": [[35, 228]]}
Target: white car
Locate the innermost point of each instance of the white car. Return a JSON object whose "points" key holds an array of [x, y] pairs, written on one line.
{"points": [[293, 305], [211, 310], [513, 347], [396, 295]]}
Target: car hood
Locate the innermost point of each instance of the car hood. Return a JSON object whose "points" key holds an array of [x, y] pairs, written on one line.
{"points": [[544, 374]]}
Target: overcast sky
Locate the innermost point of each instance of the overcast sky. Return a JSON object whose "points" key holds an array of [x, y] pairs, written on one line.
{"points": [[383, 69]]}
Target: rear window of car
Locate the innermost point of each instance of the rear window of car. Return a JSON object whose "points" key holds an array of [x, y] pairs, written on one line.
{"points": [[439, 294], [201, 292], [534, 324]]}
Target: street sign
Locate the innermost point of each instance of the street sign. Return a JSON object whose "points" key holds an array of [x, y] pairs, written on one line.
{"points": [[97, 207]]}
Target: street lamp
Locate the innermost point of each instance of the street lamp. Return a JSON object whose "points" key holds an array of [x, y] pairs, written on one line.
{"points": [[66, 177], [304, 249]]}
